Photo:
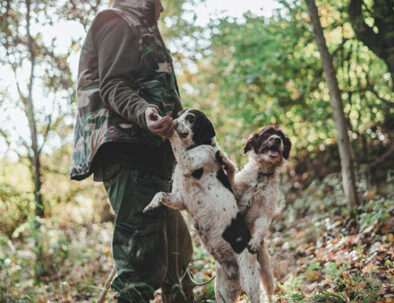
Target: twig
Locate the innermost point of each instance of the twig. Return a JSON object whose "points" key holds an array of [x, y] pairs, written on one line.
{"points": [[385, 101]]}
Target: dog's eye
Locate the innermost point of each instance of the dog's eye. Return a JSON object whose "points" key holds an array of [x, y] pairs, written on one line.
{"points": [[190, 118]]}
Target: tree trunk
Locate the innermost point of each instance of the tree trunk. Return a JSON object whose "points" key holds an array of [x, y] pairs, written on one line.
{"points": [[345, 148], [35, 159], [29, 111], [39, 203]]}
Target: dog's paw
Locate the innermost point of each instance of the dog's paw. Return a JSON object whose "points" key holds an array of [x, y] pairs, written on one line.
{"points": [[254, 246], [156, 202], [150, 207], [228, 165]]}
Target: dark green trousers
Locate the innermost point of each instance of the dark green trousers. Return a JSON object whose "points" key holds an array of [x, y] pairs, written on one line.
{"points": [[149, 250]]}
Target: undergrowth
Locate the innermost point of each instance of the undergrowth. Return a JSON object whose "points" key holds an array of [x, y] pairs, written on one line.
{"points": [[319, 253]]}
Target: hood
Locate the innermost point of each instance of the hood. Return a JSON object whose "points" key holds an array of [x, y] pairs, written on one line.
{"points": [[144, 10]]}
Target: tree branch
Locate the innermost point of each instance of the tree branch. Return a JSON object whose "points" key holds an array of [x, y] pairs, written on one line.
{"points": [[363, 32], [384, 100], [18, 88]]}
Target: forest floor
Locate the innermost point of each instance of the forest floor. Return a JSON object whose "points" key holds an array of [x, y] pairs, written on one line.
{"points": [[319, 253]]}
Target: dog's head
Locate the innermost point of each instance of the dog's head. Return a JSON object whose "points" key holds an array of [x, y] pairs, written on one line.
{"points": [[270, 145], [194, 128]]}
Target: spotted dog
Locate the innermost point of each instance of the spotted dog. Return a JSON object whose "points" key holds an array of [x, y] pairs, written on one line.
{"points": [[201, 187], [256, 188]]}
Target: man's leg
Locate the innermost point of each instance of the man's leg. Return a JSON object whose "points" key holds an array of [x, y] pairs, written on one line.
{"points": [[178, 287], [139, 246]]}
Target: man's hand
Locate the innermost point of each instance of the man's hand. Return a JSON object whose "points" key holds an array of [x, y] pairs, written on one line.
{"points": [[163, 127]]}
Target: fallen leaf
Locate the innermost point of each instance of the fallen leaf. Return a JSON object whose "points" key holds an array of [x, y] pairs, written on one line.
{"points": [[385, 228], [369, 268], [390, 238], [370, 195], [312, 275]]}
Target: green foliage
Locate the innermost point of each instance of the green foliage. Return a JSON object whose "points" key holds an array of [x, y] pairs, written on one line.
{"points": [[72, 270], [261, 71], [291, 289], [327, 297], [16, 198]]}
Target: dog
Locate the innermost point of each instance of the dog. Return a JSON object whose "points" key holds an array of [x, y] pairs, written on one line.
{"points": [[202, 188], [256, 188]]}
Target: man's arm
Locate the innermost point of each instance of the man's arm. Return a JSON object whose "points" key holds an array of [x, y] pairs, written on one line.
{"points": [[118, 62]]}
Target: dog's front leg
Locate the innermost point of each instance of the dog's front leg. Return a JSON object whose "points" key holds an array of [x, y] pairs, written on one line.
{"points": [[181, 156], [194, 159], [260, 227], [229, 166], [171, 200]]}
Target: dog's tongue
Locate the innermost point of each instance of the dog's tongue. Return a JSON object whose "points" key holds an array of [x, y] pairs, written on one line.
{"points": [[273, 153]]}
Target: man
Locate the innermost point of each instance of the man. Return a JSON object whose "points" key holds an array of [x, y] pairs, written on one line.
{"points": [[126, 77]]}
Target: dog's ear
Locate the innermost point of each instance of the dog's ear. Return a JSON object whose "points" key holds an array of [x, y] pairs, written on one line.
{"points": [[287, 148], [203, 130], [207, 131], [250, 143]]}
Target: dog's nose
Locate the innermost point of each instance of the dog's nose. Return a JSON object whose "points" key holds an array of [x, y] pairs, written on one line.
{"points": [[277, 140]]}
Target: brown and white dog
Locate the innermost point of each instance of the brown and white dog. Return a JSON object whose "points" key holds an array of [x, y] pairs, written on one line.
{"points": [[202, 188], [256, 188]]}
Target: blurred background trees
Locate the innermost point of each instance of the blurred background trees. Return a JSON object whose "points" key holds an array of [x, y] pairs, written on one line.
{"points": [[373, 24], [246, 72], [39, 71]]}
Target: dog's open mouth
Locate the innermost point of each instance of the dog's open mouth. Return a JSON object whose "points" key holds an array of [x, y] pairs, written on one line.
{"points": [[273, 152]]}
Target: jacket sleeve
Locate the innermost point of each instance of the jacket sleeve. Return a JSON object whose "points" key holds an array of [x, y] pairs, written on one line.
{"points": [[118, 60]]}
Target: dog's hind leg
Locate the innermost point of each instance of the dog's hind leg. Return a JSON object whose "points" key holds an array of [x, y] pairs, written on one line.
{"points": [[251, 283], [267, 277], [250, 276], [226, 289], [225, 256]]}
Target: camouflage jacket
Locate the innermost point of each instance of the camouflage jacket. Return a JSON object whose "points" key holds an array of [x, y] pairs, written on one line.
{"points": [[124, 69]]}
